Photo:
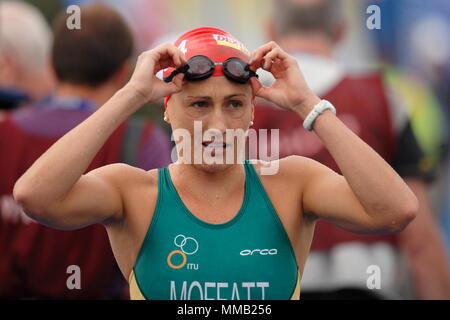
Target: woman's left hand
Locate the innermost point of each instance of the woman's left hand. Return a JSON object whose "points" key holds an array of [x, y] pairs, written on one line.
{"points": [[289, 90]]}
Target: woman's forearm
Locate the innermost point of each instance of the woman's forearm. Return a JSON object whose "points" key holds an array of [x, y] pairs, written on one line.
{"points": [[381, 191], [52, 176]]}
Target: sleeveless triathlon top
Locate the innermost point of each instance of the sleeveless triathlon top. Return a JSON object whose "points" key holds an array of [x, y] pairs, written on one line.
{"points": [[182, 257]]}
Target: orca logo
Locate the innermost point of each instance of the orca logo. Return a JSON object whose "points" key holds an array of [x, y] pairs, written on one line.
{"points": [[262, 252]]}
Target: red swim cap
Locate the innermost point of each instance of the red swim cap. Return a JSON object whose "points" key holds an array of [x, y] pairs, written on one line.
{"points": [[214, 43]]}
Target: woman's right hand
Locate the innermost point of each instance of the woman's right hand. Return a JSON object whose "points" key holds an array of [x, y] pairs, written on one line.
{"points": [[144, 82]]}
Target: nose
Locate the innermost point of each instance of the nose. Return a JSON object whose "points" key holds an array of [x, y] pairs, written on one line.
{"points": [[217, 120]]}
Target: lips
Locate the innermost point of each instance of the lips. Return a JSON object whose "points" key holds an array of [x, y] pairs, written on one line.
{"points": [[210, 144]]}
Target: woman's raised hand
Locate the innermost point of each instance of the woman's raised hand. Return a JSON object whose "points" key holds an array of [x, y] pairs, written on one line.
{"points": [[144, 81], [289, 90]]}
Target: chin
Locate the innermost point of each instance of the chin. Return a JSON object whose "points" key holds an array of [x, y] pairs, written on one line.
{"points": [[212, 168]]}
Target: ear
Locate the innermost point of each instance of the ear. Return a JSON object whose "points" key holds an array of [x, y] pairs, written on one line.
{"points": [[122, 75], [9, 71]]}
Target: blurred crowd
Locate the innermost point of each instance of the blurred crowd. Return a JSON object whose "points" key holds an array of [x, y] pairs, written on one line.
{"points": [[390, 85]]}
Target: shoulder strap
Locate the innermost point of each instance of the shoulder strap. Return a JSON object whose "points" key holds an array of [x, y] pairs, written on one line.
{"points": [[165, 184]]}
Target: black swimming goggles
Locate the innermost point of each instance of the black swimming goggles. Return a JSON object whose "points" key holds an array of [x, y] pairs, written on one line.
{"points": [[201, 67]]}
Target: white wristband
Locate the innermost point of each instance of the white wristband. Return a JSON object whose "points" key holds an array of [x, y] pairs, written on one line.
{"points": [[317, 111]]}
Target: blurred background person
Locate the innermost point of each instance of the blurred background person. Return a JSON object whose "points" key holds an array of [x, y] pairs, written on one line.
{"points": [[421, 47], [25, 40], [90, 65], [144, 30], [338, 262]]}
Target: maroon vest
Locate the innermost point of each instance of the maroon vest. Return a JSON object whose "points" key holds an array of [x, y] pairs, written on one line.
{"points": [[34, 258]]}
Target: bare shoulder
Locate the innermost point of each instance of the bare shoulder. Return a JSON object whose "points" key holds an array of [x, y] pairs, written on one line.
{"points": [[284, 177], [140, 192], [133, 184], [123, 175], [131, 180], [287, 178], [286, 169]]}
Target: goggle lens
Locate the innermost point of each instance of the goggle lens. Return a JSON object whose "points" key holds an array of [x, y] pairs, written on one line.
{"points": [[236, 68], [201, 67]]}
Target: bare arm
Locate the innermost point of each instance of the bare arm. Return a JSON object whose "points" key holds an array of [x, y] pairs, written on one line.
{"points": [[425, 249], [54, 189], [369, 196]]}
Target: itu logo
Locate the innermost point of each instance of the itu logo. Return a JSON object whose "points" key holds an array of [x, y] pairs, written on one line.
{"points": [[187, 246]]}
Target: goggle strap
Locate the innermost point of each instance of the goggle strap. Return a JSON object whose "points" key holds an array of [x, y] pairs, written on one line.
{"points": [[182, 69]]}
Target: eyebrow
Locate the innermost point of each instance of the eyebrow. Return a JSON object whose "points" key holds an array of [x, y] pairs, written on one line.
{"points": [[234, 95], [209, 98]]}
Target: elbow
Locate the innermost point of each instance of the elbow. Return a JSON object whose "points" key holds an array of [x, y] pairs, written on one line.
{"points": [[404, 216], [27, 200], [20, 195], [410, 211]]}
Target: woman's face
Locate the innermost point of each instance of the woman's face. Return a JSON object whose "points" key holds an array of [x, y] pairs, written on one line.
{"points": [[212, 116]]}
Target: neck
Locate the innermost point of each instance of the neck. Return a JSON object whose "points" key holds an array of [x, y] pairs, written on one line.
{"points": [[210, 184], [39, 86], [99, 94], [312, 43]]}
